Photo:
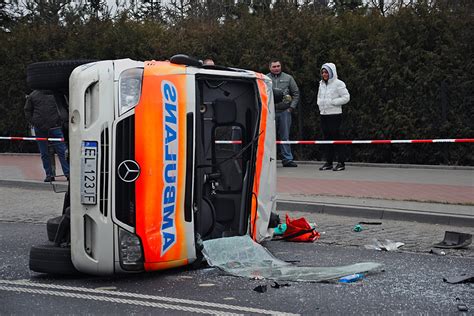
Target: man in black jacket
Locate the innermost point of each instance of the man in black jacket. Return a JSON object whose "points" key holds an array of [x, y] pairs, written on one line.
{"points": [[44, 112]]}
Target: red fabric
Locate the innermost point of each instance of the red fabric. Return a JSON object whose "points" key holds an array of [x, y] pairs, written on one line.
{"points": [[295, 230]]}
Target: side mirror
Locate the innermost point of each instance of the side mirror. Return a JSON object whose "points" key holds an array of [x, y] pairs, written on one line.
{"points": [[277, 95]]}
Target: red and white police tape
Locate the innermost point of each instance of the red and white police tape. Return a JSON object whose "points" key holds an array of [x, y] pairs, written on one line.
{"points": [[31, 138], [300, 142], [354, 142]]}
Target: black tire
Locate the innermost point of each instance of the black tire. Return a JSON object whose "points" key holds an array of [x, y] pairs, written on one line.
{"points": [[52, 227], [52, 75], [52, 259]]}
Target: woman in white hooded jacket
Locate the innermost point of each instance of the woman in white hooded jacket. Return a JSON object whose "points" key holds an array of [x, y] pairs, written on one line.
{"points": [[332, 95]]}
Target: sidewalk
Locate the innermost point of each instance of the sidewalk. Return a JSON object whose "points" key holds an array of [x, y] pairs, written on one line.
{"points": [[431, 194]]}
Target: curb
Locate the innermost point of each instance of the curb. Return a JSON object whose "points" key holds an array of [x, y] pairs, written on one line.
{"points": [[376, 213], [384, 165], [322, 208], [315, 162], [35, 185]]}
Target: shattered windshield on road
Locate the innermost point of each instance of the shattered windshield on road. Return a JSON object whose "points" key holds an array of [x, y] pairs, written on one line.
{"points": [[241, 256]]}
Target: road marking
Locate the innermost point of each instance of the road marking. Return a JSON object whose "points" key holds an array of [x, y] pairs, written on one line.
{"points": [[241, 309], [115, 300]]}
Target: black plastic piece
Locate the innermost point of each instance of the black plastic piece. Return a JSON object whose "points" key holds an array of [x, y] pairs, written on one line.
{"points": [[278, 285], [463, 278], [274, 220], [261, 289], [52, 227], [454, 240], [63, 234]]}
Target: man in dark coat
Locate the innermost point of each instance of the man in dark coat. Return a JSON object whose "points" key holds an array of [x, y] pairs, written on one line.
{"points": [[47, 115]]}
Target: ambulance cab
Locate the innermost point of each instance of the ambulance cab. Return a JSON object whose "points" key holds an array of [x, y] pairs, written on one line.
{"points": [[165, 154]]}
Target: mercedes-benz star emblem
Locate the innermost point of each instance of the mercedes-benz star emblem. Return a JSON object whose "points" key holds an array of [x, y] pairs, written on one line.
{"points": [[128, 170]]}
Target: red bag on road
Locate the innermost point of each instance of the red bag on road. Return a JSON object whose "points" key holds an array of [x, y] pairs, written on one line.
{"points": [[299, 230]]}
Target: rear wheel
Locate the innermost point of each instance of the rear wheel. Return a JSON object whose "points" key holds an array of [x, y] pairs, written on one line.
{"points": [[51, 259], [52, 75]]}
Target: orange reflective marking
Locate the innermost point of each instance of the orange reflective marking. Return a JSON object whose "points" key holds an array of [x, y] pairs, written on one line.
{"points": [[261, 148], [149, 152]]}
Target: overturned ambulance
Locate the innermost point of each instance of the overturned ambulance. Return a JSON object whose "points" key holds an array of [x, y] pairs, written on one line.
{"points": [[163, 155]]}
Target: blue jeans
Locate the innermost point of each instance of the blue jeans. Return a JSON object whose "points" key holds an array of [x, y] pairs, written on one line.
{"points": [[283, 126], [59, 147]]}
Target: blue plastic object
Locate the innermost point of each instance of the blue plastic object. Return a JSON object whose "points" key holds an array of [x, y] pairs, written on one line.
{"points": [[351, 278], [280, 229]]}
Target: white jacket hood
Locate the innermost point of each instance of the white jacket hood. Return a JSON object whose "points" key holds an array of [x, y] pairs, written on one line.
{"points": [[331, 69]]}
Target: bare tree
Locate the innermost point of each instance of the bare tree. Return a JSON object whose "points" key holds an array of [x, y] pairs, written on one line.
{"points": [[387, 6]]}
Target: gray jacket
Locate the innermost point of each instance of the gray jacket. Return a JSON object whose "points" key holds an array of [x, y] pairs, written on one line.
{"points": [[43, 111], [288, 85]]}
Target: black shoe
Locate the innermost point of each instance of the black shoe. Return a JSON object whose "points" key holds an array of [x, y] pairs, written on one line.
{"points": [[48, 179], [290, 163], [326, 166], [339, 167]]}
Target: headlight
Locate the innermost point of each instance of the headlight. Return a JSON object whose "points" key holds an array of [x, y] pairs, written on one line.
{"points": [[130, 251], [130, 86]]}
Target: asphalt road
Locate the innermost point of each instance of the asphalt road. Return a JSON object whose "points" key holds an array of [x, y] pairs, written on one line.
{"points": [[411, 282]]}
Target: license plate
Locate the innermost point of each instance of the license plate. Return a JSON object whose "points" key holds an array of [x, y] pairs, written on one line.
{"points": [[89, 173]]}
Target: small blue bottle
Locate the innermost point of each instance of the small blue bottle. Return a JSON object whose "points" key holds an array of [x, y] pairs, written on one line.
{"points": [[351, 278]]}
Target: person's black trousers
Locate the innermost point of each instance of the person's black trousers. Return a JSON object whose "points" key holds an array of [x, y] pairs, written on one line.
{"points": [[331, 127]]}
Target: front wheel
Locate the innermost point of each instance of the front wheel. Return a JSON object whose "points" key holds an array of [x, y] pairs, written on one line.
{"points": [[52, 259]]}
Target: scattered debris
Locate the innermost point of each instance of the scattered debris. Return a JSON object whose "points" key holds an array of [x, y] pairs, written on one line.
{"points": [[463, 278], [279, 230], [241, 256], [386, 245], [296, 230], [351, 278], [299, 230], [461, 306], [438, 252], [278, 285], [106, 288], [230, 298], [260, 289], [454, 240], [206, 284], [370, 223], [357, 228]]}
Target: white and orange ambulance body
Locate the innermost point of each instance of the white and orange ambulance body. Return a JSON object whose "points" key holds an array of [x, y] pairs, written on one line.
{"points": [[150, 175]]}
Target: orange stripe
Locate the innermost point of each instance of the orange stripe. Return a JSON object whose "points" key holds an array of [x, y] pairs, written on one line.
{"points": [[261, 149], [149, 153]]}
